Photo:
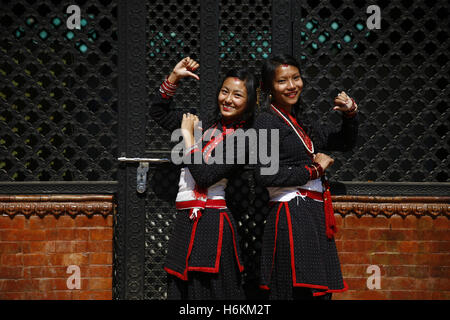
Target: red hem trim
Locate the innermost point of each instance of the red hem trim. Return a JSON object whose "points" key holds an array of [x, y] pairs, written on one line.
{"points": [[241, 267], [291, 243], [204, 269], [275, 240], [317, 294], [175, 273], [313, 286]]}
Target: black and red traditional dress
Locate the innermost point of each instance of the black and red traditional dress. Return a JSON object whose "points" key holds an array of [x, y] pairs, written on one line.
{"points": [[299, 254], [203, 259]]}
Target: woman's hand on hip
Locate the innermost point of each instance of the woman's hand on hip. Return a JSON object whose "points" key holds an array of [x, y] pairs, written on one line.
{"points": [[324, 160]]}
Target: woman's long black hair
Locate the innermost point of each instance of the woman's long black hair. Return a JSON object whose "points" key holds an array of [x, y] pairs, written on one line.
{"points": [[251, 84]]}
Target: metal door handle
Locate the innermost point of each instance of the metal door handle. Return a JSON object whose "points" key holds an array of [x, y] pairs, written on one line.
{"points": [[141, 173]]}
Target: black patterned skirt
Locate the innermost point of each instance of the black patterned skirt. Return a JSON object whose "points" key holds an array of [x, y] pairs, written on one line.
{"points": [[204, 259], [297, 256]]}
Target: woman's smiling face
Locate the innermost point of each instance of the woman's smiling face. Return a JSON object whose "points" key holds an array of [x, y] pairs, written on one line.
{"points": [[232, 98], [286, 85]]}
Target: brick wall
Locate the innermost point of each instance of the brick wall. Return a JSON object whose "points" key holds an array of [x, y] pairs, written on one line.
{"points": [[408, 241], [40, 239]]}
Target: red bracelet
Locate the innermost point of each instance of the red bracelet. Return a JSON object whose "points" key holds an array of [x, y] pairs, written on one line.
{"points": [[167, 89]]}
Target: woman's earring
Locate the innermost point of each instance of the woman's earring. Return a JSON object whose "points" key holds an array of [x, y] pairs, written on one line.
{"points": [[270, 97]]}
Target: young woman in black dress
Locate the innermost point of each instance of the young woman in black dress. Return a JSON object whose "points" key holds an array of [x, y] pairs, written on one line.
{"points": [[299, 258], [203, 259]]}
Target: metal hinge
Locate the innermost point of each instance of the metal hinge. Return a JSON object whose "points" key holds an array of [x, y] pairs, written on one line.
{"points": [[141, 174]]}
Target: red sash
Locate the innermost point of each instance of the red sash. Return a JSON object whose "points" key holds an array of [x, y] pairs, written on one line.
{"points": [[290, 120]]}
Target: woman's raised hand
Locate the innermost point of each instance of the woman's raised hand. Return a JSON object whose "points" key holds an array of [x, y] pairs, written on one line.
{"points": [[184, 68], [345, 104]]}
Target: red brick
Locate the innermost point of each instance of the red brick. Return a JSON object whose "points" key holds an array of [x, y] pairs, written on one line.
{"points": [[12, 295], [82, 246], [438, 235], [10, 247], [35, 259], [101, 221], [366, 222], [354, 258], [110, 220], [429, 284], [368, 295], [100, 258], [355, 234], [82, 221], [11, 272], [50, 222], [100, 284], [398, 283], [78, 259], [38, 246], [389, 234], [19, 285], [13, 259], [354, 270], [387, 258], [440, 272], [36, 222], [412, 271], [435, 246], [10, 235], [424, 223], [100, 246], [409, 295], [67, 259], [440, 295], [51, 234], [66, 234], [398, 222], [45, 272], [33, 235], [441, 223], [81, 234], [54, 295], [433, 259], [96, 271], [17, 222], [47, 285], [65, 222], [64, 246], [408, 246], [101, 234], [94, 295], [338, 218], [363, 246]]}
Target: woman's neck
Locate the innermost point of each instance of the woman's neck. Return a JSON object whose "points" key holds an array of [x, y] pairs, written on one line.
{"points": [[286, 108]]}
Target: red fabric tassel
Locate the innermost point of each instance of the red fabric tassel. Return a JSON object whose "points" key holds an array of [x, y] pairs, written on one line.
{"points": [[330, 222], [200, 192]]}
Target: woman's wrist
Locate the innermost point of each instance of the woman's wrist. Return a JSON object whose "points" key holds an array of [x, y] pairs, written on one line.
{"points": [[350, 113], [188, 138], [173, 79]]}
